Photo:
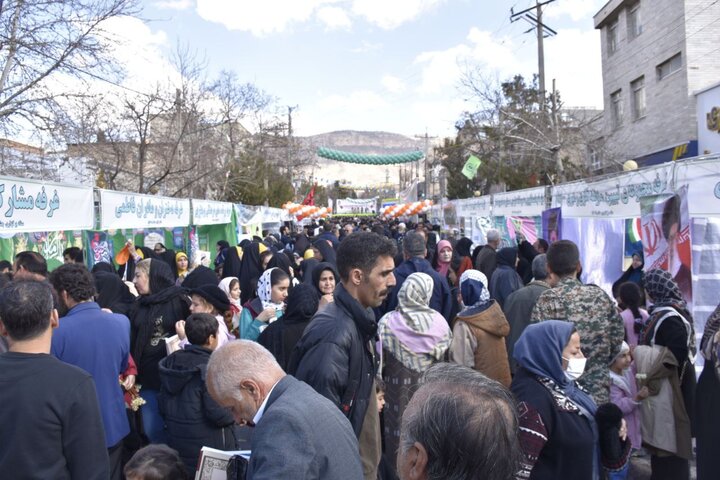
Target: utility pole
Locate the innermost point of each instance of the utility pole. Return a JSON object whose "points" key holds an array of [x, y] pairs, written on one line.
{"points": [[425, 161], [541, 29]]}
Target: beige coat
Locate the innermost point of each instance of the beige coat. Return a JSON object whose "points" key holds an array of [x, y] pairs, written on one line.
{"points": [[479, 342], [664, 420]]}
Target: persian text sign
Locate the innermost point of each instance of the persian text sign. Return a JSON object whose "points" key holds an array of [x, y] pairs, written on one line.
{"points": [[703, 176], [525, 203], [208, 212], [134, 210], [473, 207], [617, 197], [352, 206], [34, 206]]}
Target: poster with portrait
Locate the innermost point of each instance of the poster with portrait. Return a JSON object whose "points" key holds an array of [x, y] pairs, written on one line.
{"points": [[512, 227], [665, 234], [552, 224]]}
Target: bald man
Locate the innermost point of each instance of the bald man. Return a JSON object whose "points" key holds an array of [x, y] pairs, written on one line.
{"points": [[298, 432]]}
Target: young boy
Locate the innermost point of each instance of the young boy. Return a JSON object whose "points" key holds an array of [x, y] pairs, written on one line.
{"points": [[192, 418]]}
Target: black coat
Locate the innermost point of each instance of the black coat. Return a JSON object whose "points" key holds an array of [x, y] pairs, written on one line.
{"points": [[334, 356], [192, 418], [281, 336]]}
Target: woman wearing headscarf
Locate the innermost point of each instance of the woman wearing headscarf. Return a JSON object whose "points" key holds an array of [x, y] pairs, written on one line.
{"points": [[152, 320], [220, 248], [663, 356], [412, 338], [231, 287], [302, 243], [250, 270], [326, 251], [306, 269], [182, 265], [505, 279], [443, 257], [281, 261], [479, 330], [112, 293], [634, 273], [707, 400], [232, 261], [324, 278], [559, 436], [281, 336], [267, 306]]}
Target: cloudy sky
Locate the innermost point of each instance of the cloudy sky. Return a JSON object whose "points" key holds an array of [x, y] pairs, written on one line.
{"points": [[391, 65]]}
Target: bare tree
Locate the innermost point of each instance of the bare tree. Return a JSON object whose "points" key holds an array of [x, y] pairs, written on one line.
{"points": [[45, 39]]}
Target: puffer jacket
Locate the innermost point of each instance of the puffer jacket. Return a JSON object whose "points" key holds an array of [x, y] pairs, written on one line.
{"points": [[192, 418], [334, 356]]}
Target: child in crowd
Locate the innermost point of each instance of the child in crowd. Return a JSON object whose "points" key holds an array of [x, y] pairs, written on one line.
{"points": [[385, 471], [155, 462], [624, 394], [192, 418]]}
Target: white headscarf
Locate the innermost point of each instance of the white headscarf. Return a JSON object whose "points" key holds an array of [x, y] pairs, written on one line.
{"points": [[225, 287], [264, 290]]}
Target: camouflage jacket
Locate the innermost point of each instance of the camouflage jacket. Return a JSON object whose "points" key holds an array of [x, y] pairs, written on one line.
{"points": [[596, 320]]}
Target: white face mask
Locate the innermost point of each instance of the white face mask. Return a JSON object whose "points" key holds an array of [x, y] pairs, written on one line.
{"points": [[575, 368]]}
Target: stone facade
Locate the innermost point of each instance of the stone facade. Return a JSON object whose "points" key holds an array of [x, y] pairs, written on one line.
{"points": [[645, 54]]}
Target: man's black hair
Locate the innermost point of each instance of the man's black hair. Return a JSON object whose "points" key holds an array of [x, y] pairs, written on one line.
{"points": [[33, 262], [74, 279], [25, 307], [563, 258], [75, 254], [199, 327], [156, 462], [362, 250], [671, 215]]}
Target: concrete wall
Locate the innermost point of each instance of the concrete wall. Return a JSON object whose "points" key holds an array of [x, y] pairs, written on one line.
{"points": [[670, 106]]}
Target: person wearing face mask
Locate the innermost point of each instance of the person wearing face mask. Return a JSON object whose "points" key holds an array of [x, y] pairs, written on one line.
{"points": [[267, 306], [558, 433]]}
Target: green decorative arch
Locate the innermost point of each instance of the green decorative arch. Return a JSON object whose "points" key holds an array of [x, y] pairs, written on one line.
{"points": [[350, 157]]}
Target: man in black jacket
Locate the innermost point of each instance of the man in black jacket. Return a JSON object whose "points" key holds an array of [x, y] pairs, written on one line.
{"points": [[50, 417], [336, 355], [192, 418]]}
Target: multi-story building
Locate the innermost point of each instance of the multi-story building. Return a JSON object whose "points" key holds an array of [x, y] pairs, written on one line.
{"points": [[655, 55]]}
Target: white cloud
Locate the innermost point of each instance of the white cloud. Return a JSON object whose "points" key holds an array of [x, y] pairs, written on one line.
{"points": [[391, 14], [393, 84], [366, 46], [174, 4], [259, 17], [268, 17], [334, 18], [572, 57]]}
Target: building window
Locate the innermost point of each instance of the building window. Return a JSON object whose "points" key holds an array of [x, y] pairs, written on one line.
{"points": [[669, 66], [612, 37], [616, 108], [638, 97], [633, 21], [595, 163]]}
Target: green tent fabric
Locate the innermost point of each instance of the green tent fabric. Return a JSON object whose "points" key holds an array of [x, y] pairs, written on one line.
{"points": [[350, 157]]}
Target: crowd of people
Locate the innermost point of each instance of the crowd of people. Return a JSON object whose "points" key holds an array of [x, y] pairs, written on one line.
{"points": [[355, 350]]}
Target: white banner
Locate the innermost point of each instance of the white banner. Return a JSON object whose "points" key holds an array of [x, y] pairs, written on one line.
{"points": [[617, 197], [703, 178], [473, 207], [35, 206], [134, 210], [353, 206], [524, 203], [208, 212]]}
